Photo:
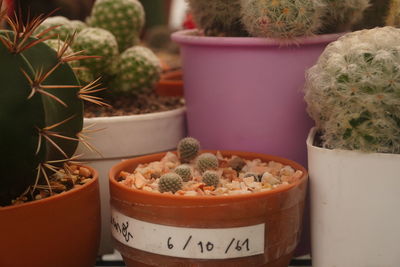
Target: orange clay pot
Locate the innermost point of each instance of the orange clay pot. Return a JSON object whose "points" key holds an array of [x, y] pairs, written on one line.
{"points": [[280, 210], [62, 230], [170, 84]]}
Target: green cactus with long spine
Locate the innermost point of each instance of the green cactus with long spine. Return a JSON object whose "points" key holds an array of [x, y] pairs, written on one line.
{"points": [[286, 19], [123, 18], [41, 110], [353, 91], [218, 17]]}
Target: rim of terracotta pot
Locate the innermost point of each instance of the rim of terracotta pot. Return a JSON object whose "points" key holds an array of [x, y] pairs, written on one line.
{"points": [[132, 161], [66, 194], [138, 117], [354, 153], [171, 83], [192, 37]]}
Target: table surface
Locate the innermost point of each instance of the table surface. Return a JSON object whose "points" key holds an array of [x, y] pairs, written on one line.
{"points": [[302, 262]]}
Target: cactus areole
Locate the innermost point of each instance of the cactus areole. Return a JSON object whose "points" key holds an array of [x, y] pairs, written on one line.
{"points": [[41, 108]]}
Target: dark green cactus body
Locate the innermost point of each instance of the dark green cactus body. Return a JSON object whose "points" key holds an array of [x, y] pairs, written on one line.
{"points": [[22, 117]]}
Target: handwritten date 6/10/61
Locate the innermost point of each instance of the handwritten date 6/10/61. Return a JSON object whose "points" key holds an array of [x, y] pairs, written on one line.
{"points": [[207, 246]]}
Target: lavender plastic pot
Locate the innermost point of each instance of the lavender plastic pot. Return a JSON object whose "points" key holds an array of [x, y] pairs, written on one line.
{"points": [[245, 93]]}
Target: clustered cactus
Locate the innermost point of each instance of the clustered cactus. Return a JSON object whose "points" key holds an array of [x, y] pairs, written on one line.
{"points": [[111, 36], [284, 19], [203, 163], [41, 108], [353, 91]]}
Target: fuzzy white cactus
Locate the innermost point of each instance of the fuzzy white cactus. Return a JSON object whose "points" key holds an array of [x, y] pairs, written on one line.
{"points": [[353, 92]]}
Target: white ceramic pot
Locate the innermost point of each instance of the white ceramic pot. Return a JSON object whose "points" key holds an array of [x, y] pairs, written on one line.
{"points": [[355, 216], [125, 137]]}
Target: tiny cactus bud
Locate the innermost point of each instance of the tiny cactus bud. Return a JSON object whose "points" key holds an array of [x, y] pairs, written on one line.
{"points": [[207, 161], [188, 149], [211, 178], [170, 182], [184, 172]]}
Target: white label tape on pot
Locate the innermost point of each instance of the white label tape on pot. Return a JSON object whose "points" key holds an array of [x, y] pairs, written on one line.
{"points": [[193, 243]]}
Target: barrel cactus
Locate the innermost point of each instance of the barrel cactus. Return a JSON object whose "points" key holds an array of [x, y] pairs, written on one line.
{"points": [[41, 109], [207, 161], [218, 17], [284, 19], [170, 182], [353, 91], [123, 18], [138, 70], [188, 149]]}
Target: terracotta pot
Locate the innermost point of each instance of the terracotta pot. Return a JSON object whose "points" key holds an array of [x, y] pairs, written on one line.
{"points": [[62, 231], [170, 84], [270, 220], [123, 137]]}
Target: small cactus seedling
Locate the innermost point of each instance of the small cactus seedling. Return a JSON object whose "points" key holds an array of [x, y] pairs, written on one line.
{"points": [[210, 178], [184, 172], [218, 17], [170, 182], [123, 18], [97, 42], [138, 70], [40, 105], [353, 92], [207, 161], [188, 149], [283, 19]]}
